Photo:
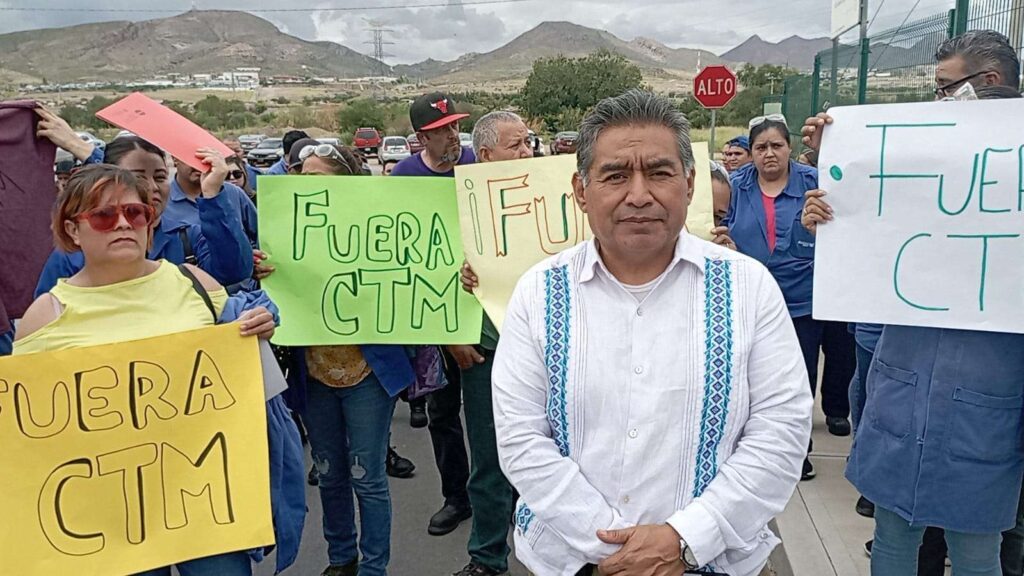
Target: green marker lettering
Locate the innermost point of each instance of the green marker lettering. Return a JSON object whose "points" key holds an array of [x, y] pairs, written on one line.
{"points": [[981, 187], [882, 176], [984, 259], [896, 278]]}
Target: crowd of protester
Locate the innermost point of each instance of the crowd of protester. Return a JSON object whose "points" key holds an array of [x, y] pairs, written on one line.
{"points": [[595, 437]]}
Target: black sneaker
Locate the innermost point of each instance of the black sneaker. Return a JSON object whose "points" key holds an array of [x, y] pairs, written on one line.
{"points": [[350, 569], [418, 413], [448, 518], [867, 547], [474, 569], [838, 426], [398, 467], [313, 478], [808, 472], [865, 507]]}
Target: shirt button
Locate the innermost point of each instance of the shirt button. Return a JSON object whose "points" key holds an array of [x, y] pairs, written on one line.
{"points": [[639, 370], [626, 500], [633, 433], [639, 311]]}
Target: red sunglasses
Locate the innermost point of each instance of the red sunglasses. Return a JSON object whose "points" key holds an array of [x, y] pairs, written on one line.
{"points": [[106, 218]]}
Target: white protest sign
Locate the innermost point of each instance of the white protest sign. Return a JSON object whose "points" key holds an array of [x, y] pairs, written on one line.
{"points": [[929, 216], [845, 15]]}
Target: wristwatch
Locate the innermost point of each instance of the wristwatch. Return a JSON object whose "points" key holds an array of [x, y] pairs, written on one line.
{"points": [[687, 556]]}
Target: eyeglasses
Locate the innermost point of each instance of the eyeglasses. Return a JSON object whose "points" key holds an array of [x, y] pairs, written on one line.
{"points": [[106, 218], [320, 151], [769, 118], [236, 175], [943, 91]]}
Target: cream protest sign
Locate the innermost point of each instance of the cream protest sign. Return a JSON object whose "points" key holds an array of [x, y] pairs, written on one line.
{"points": [[515, 214], [127, 457], [928, 202]]}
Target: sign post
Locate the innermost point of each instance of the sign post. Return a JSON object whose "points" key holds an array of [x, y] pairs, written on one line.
{"points": [[714, 87]]}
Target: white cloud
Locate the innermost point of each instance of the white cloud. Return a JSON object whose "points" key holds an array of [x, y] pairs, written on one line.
{"points": [[445, 33]]}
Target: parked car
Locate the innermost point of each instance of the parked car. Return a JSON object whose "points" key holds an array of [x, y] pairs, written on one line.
{"points": [[465, 139], [250, 141], [564, 143], [536, 143], [368, 140], [394, 148], [266, 153], [91, 139], [415, 146]]}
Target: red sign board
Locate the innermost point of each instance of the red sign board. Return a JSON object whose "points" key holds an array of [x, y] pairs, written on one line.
{"points": [[714, 87]]}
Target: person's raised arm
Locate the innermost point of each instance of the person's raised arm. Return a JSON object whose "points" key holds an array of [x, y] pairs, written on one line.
{"points": [[57, 130]]}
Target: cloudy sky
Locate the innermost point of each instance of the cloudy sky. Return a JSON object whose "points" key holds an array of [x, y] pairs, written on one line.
{"points": [[448, 31]]}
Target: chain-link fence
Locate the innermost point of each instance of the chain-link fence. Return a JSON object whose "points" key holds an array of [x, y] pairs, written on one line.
{"points": [[896, 65]]}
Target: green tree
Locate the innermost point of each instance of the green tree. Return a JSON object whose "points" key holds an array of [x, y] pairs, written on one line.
{"points": [[557, 85], [362, 113]]}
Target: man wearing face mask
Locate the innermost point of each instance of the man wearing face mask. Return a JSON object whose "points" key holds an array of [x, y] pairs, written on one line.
{"points": [[436, 124]]}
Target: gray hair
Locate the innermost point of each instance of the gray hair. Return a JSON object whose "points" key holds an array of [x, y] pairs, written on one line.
{"points": [[635, 107], [983, 50], [485, 133]]}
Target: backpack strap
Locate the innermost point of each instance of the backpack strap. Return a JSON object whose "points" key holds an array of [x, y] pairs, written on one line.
{"points": [[186, 244], [198, 286]]}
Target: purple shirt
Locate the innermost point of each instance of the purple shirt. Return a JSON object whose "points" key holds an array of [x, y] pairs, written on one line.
{"points": [[414, 165]]}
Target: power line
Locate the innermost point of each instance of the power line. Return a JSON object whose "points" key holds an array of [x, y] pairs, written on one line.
{"points": [[262, 10], [896, 33]]}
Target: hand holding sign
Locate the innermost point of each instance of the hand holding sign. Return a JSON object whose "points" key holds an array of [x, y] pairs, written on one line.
{"points": [[163, 127]]}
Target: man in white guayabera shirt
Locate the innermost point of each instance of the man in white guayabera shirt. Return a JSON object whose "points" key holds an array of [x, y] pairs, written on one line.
{"points": [[651, 403]]}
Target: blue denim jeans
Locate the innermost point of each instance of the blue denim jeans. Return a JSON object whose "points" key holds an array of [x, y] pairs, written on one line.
{"points": [[859, 385], [348, 434], [230, 564], [894, 552]]}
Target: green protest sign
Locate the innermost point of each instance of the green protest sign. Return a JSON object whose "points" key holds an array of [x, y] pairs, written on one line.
{"points": [[365, 260]]}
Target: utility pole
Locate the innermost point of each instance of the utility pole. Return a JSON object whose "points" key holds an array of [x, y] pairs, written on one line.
{"points": [[377, 30], [1017, 26], [865, 52]]}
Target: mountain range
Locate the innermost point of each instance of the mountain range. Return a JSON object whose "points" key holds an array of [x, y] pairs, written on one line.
{"points": [[211, 41]]}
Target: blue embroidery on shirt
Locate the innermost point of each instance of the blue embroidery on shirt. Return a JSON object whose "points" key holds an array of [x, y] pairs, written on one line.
{"points": [[524, 516], [556, 352], [717, 369]]}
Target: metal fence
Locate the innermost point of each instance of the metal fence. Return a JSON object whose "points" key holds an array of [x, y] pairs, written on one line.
{"points": [[896, 65]]}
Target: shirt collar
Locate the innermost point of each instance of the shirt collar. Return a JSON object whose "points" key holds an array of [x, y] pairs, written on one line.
{"points": [[177, 194], [793, 187], [687, 250]]}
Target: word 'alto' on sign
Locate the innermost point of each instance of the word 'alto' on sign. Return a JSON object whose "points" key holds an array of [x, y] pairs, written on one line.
{"points": [[929, 216], [127, 457], [363, 260]]}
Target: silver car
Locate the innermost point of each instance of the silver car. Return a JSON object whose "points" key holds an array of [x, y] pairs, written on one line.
{"points": [[394, 149]]}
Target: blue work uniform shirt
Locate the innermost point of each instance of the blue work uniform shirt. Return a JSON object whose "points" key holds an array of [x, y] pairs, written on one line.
{"points": [[792, 261]]}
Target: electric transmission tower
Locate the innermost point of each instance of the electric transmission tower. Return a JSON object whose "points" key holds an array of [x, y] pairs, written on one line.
{"points": [[377, 29]]}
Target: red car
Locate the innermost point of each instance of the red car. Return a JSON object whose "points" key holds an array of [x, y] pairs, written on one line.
{"points": [[564, 143], [415, 146], [367, 140]]}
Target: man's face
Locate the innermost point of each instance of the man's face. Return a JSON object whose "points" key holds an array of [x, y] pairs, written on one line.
{"points": [[442, 143], [952, 73], [236, 148], [638, 191], [513, 143], [721, 193], [188, 173], [736, 157]]}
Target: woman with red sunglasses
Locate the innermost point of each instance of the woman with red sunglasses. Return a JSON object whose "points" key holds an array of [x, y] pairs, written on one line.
{"points": [[105, 213]]}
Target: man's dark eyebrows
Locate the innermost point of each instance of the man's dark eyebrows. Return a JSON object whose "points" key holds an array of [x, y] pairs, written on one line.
{"points": [[660, 163], [614, 166]]}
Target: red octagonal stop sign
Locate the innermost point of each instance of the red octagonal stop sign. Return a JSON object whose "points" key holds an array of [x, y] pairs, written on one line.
{"points": [[714, 86]]}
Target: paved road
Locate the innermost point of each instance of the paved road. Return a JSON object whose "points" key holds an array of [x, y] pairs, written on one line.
{"points": [[413, 551]]}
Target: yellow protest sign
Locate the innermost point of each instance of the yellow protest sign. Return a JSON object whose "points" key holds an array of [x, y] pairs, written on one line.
{"points": [[515, 214], [128, 457]]}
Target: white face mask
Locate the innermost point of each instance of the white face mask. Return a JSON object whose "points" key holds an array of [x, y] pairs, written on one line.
{"points": [[964, 93]]}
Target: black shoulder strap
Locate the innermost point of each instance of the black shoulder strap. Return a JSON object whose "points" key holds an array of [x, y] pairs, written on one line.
{"points": [[198, 286], [186, 244]]}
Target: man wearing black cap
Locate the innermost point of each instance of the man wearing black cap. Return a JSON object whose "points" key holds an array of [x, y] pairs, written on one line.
{"points": [[436, 123]]}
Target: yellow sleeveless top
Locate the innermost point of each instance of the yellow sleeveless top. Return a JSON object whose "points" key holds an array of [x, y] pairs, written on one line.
{"points": [[157, 304]]}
